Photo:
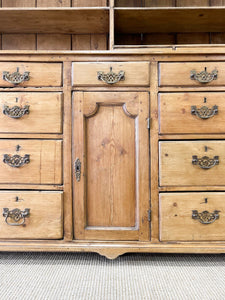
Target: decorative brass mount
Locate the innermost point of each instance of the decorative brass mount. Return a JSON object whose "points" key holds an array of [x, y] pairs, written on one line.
{"points": [[16, 161], [205, 217], [16, 215], [15, 77], [111, 77], [205, 162], [77, 169], [15, 112], [204, 112], [204, 76]]}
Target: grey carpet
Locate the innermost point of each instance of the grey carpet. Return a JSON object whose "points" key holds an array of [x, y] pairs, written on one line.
{"points": [[60, 276]]}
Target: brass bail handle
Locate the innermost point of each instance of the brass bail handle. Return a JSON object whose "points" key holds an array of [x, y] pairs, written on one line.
{"points": [[16, 215], [111, 77], [15, 77]]}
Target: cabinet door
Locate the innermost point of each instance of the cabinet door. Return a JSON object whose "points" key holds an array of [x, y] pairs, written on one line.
{"points": [[111, 183]]}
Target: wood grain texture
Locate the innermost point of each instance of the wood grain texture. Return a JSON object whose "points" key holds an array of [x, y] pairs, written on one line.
{"points": [[53, 3], [218, 38], [67, 159], [176, 116], [45, 113], [110, 159], [53, 41], [158, 3], [89, 42], [99, 42], [45, 165], [193, 38], [19, 41], [136, 73], [192, 3], [55, 20], [178, 74], [159, 39], [18, 3], [217, 2], [41, 74], [128, 3], [176, 168], [176, 223], [171, 20], [81, 42], [89, 3], [46, 215], [106, 202]]}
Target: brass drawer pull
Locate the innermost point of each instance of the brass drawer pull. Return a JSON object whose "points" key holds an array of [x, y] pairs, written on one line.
{"points": [[205, 162], [111, 77], [204, 76], [15, 77], [205, 217], [204, 112], [16, 161], [77, 169], [16, 215], [16, 112]]}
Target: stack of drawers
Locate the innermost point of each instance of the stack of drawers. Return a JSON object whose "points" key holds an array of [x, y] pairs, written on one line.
{"points": [[192, 160], [33, 161]]}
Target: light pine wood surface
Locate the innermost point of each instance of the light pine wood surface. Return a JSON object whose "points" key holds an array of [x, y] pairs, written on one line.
{"points": [[45, 220]]}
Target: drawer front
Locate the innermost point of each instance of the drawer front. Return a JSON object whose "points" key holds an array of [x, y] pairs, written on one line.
{"points": [[192, 113], [31, 112], [192, 74], [39, 215], [192, 216], [122, 73], [31, 161], [192, 163], [30, 74]]}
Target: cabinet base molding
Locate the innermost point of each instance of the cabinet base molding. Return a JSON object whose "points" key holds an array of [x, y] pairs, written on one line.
{"points": [[113, 250]]}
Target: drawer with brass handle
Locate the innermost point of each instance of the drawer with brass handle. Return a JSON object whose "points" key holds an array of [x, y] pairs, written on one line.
{"points": [[192, 163], [31, 215], [31, 161], [183, 113], [13, 74], [31, 112], [192, 74], [192, 216], [110, 74]]}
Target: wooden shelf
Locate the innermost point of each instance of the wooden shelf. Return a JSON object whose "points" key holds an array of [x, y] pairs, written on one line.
{"points": [[56, 20], [169, 20]]}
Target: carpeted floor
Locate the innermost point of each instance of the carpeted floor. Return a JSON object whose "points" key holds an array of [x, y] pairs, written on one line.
{"points": [[60, 276]]}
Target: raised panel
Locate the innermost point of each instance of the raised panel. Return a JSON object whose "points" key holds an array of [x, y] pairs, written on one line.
{"points": [[111, 140]]}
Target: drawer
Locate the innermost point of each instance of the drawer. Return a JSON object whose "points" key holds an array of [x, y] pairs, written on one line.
{"points": [[31, 112], [98, 74], [31, 161], [192, 74], [192, 163], [192, 216], [31, 215], [192, 113], [30, 74]]}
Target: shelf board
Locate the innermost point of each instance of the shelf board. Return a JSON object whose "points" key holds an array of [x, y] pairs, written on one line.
{"points": [[170, 19], [56, 20]]}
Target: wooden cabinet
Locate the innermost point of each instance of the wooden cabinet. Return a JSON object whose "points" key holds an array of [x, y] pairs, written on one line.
{"points": [[111, 151]]}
